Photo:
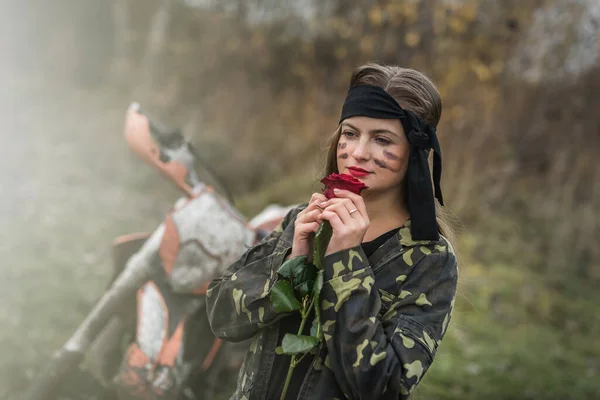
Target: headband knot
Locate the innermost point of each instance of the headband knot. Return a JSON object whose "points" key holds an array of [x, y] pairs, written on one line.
{"points": [[375, 102], [419, 139]]}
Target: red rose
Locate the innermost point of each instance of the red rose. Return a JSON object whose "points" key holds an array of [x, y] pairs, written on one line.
{"points": [[341, 181]]}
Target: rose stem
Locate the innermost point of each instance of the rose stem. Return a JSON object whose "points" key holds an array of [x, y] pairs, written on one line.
{"points": [[293, 362]]}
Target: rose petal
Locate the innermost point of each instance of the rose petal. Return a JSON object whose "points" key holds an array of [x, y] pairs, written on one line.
{"points": [[341, 181]]}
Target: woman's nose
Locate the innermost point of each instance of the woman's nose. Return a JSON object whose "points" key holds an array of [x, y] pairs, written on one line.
{"points": [[361, 150]]}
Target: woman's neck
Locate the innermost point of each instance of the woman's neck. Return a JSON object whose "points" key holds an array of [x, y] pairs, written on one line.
{"points": [[386, 212]]}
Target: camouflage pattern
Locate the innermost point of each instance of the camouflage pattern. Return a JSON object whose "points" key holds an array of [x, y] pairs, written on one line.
{"points": [[383, 317]]}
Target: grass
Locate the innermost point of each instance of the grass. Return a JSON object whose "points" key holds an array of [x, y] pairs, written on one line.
{"points": [[509, 340]]}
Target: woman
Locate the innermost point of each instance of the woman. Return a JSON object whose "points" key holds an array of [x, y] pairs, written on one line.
{"points": [[390, 272]]}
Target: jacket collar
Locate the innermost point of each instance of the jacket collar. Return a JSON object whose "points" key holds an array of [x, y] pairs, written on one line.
{"points": [[406, 239], [394, 245]]}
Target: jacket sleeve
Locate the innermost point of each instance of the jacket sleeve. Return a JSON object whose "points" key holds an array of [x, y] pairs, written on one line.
{"points": [[385, 357], [238, 302]]}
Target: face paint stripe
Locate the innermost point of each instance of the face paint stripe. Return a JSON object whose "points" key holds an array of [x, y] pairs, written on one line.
{"points": [[390, 156], [382, 164]]}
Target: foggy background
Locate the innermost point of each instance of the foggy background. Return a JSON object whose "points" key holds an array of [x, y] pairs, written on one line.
{"points": [[257, 86]]}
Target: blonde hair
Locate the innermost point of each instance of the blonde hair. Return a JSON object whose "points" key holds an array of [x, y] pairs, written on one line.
{"points": [[414, 92]]}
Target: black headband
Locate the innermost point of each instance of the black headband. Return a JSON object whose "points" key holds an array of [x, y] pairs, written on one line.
{"points": [[374, 102]]}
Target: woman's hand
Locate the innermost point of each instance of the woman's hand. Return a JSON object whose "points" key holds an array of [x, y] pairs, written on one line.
{"points": [[349, 221], [306, 225]]}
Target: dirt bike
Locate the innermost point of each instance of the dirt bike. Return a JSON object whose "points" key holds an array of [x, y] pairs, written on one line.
{"points": [[148, 336]]}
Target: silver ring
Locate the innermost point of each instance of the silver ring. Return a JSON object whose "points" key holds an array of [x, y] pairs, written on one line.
{"points": [[351, 211]]}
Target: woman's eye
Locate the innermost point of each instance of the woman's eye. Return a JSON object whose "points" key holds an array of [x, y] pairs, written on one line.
{"points": [[382, 140], [349, 134]]}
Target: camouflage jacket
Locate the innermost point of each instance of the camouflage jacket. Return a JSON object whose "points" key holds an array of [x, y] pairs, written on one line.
{"points": [[383, 317]]}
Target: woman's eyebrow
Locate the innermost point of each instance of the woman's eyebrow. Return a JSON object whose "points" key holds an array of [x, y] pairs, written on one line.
{"points": [[376, 131], [372, 131], [350, 126]]}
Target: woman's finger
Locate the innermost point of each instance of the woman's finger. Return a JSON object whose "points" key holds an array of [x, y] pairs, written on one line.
{"points": [[357, 199], [345, 201], [352, 209], [313, 205], [317, 198], [310, 216], [336, 223], [310, 227], [342, 209]]}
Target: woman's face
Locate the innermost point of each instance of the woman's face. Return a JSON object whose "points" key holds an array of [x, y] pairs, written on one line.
{"points": [[375, 151]]}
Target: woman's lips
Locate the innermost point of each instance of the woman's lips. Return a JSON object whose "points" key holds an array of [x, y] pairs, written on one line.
{"points": [[358, 172]]}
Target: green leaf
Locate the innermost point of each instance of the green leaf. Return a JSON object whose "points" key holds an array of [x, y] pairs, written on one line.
{"points": [[304, 281], [303, 289], [300, 273], [279, 350], [292, 267], [283, 298], [322, 239], [296, 344]]}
